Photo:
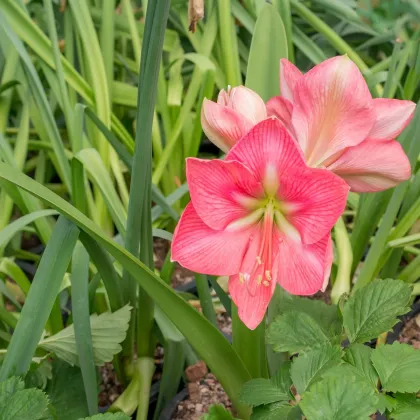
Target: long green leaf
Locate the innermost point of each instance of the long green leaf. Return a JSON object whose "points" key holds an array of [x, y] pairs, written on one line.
{"points": [[40, 299], [203, 336]]}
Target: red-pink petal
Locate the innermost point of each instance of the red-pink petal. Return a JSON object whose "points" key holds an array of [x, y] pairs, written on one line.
{"points": [[199, 248], [301, 269], [316, 198], [373, 165], [244, 101], [332, 109], [289, 76], [392, 116], [268, 144], [222, 125], [249, 295], [282, 109], [218, 188]]}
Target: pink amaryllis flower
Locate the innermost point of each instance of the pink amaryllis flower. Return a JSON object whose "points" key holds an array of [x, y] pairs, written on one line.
{"points": [[237, 110], [339, 126], [262, 217]]}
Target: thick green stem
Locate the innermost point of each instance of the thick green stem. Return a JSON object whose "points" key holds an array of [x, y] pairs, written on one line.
{"points": [[345, 259]]}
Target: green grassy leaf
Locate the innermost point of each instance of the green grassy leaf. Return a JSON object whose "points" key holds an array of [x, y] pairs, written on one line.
{"points": [[398, 366], [269, 45], [295, 331], [202, 335], [108, 416], [373, 309], [108, 331], [309, 367], [40, 299], [336, 398]]}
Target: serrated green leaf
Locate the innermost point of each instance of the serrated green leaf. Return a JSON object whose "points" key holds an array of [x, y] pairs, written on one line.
{"points": [[309, 367], [66, 391], [336, 398], [276, 411], [108, 416], [407, 408], [261, 391], [218, 412], [9, 387], [386, 403], [359, 357], [295, 331], [398, 366], [325, 315], [108, 331], [281, 379], [373, 309], [38, 374], [27, 404]]}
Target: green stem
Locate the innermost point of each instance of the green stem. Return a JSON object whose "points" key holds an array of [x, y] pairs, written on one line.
{"points": [[146, 366], [204, 295], [250, 345], [345, 258]]}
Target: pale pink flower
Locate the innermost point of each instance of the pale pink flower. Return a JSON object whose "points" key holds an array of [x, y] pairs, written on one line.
{"points": [[234, 114], [261, 216], [339, 126]]}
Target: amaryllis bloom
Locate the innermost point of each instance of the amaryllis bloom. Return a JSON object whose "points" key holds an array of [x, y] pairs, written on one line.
{"points": [[262, 217], [339, 126], [234, 114]]}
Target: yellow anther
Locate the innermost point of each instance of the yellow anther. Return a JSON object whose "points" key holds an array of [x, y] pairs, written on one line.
{"points": [[259, 260], [266, 283], [268, 275], [259, 279]]}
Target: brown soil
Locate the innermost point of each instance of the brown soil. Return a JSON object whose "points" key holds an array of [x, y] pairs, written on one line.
{"points": [[202, 394], [110, 388], [410, 333]]}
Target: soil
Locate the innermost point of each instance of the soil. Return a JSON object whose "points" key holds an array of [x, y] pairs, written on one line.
{"points": [[110, 388], [410, 333]]}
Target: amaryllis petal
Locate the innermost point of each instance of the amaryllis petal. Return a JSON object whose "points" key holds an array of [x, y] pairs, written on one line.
{"points": [[301, 269], [373, 165], [268, 145], [199, 248], [282, 109], [220, 190], [332, 109], [289, 76], [314, 201], [251, 292], [392, 116], [222, 125], [244, 101]]}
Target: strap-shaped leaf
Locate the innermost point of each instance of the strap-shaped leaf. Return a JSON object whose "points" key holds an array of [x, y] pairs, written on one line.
{"points": [[373, 309]]}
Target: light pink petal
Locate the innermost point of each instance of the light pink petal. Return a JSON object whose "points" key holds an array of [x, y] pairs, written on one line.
{"points": [[199, 248], [218, 190], [333, 109], [289, 76], [250, 295], [268, 144], [282, 109], [314, 200], [301, 269], [373, 165], [222, 125], [244, 101], [392, 116]]}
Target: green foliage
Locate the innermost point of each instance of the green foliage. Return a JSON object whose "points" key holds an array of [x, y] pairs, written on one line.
{"points": [[398, 366], [407, 408], [108, 331], [17, 403], [309, 367], [339, 398], [262, 391], [373, 309], [216, 412], [108, 416]]}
